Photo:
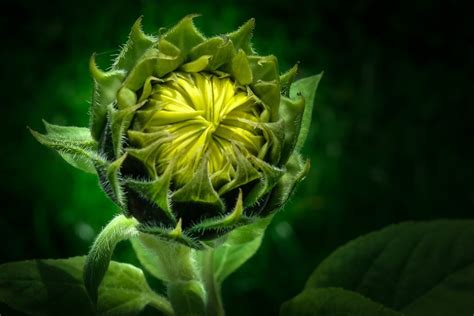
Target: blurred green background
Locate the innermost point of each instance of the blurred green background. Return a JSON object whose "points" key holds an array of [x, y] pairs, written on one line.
{"points": [[391, 141]]}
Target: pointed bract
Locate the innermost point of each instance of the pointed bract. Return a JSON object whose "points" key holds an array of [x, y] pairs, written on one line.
{"points": [[197, 65], [241, 68], [137, 44], [269, 93], [199, 189], [264, 68], [269, 178], [233, 219], [287, 79], [185, 35], [297, 169], [170, 58], [307, 88], [245, 173], [242, 37], [106, 85], [177, 232], [156, 191], [276, 136], [144, 68], [219, 49], [113, 177], [120, 122], [291, 111]]}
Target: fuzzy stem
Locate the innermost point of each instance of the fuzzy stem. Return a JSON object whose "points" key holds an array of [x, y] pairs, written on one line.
{"points": [[186, 291], [213, 288], [190, 276]]}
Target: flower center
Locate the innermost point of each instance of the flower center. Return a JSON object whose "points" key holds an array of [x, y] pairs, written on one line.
{"points": [[204, 117]]}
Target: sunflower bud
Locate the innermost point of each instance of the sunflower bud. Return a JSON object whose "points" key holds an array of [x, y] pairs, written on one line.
{"points": [[192, 136]]}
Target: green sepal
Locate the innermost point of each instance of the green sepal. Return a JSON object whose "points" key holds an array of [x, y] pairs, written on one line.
{"points": [[185, 35], [143, 116], [240, 68], [144, 68], [275, 133], [296, 170], [74, 144], [106, 86], [291, 111], [147, 88], [287, 79], [170, 58], [114, 179], [268, 92], [264, 68], [137, 44], [98, 259], [241, 38], [244, 174], [156, 191], [307, 88], [171, 234], [269, 178], [198, 64], [177, 232], [119, 123], [147, 155], [199, 188], [226, 222], [220, 50], [126, 98]]}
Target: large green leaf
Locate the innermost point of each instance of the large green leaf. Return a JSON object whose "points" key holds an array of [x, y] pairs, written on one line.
{"points": [[124, 291], [239, 246], [307, 88], [149, 260], [333, 302], [414, 268], [188, 298], [55, 287]]}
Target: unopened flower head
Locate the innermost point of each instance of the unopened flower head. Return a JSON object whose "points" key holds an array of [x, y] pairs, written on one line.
{"points": [[194, 118], [192, 136]]}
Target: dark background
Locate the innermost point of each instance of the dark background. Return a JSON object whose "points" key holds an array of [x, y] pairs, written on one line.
{"points": [[391, 141]]}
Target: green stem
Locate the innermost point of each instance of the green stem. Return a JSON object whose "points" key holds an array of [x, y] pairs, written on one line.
{"points": [[213, 288], [186, 292], [190, 276], [98, 259]]}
